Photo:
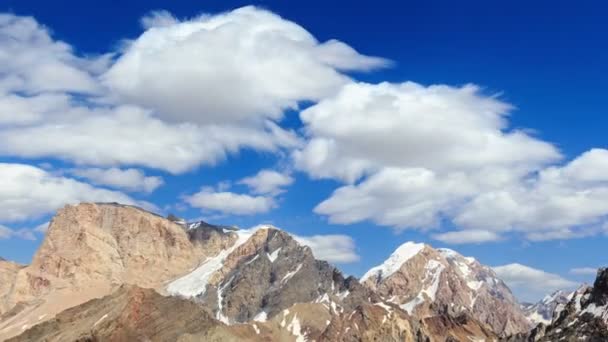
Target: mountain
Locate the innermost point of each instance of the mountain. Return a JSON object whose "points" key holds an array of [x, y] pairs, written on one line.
{"points": [[132, 314], [91, 249], [542, 311], [428, 282], [107, 271], [263, 273], [583, 318]]}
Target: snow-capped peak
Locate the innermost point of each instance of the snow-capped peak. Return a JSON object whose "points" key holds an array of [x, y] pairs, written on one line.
{"points": [[394, 262]]}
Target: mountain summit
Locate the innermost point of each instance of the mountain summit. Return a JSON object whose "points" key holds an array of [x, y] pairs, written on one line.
{"points": [[427, 282]]}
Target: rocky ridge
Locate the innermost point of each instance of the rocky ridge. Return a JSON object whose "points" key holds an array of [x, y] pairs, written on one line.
{"points": [[583, 318], [542, 311], [129, 273]]}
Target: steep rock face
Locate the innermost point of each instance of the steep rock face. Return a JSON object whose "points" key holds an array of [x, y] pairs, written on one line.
{"points": [[8, 273], [583, 318], [91, 249], [263, 273], [426, 282], [542, 311]]}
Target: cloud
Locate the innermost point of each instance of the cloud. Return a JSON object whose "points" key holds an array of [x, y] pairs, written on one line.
{"points": [[30, 192], [467, 236], [229, 202], [127, 179], [55, 104], [529, 283], [32, 62], [240, 67], [268, 182], [414, 157], [159, 18], [24, 233], [583, 271], [333, 248]]}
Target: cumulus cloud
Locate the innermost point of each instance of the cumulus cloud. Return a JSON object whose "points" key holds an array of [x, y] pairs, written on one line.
{"points": [[467, 236], [414, 156], [127, 179], [183, 94], [242, 66], [529, 283], [333, 248], [231, 203], [29, 192], [268, 182], [585, 271]]}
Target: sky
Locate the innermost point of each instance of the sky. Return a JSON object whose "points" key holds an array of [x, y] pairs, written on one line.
{"points": [[473, 126]]}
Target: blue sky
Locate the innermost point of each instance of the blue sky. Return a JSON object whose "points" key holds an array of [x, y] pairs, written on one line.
{"points": [[538, 107]]}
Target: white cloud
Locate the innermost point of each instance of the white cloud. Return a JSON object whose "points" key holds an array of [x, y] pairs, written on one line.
{"points": [[229, 202], [413, 157], [333, 248], [366, 127], [32, 62], [238, 67], [41, 117], [127, 179], [529, 283], [29, 192], [268, 182], [467, 236], [584, 271]]}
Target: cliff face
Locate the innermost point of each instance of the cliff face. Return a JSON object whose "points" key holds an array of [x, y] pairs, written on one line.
{"points": [[8, 273], [427, 282], [90, 249]]}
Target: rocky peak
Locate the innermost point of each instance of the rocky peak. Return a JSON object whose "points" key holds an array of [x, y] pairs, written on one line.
{"points": [[263, 273], [583, 318], [427, 282], [542, 311]]}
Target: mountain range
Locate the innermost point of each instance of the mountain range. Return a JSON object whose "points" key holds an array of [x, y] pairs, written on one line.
{"points": [[113, 272]]}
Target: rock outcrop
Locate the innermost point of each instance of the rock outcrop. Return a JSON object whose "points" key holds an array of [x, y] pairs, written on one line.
{"points": [[428, 282]]}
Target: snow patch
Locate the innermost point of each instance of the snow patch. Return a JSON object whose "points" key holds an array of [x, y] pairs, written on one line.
{"points": [[261, 317], [252, 260], [257, 330], [195, 283], [101, 319], [290, 274], [296, 329], [273, 256], [394, 262]]}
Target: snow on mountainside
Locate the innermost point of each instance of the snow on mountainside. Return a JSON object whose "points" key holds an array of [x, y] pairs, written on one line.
{"points": [[542, 311], [394, 262], [426, 282]]}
